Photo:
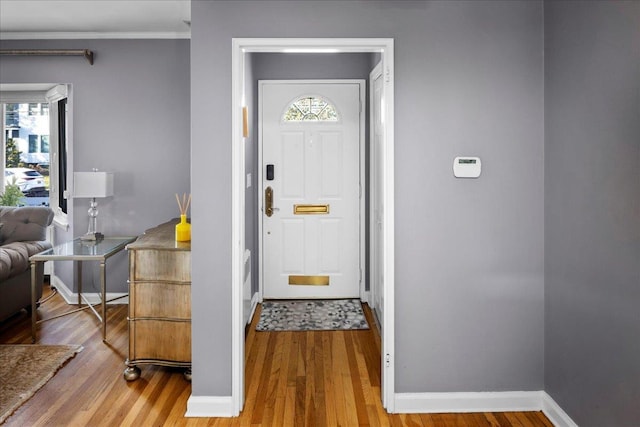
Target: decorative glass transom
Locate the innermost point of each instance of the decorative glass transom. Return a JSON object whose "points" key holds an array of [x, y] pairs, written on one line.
{"points": [[310, 108]]}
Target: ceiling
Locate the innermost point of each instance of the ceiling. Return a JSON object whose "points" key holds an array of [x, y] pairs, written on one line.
{"points": [[38, 19]]}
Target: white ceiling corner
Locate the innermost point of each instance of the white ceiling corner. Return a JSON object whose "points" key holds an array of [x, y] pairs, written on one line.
{"points": [[50, 19]]}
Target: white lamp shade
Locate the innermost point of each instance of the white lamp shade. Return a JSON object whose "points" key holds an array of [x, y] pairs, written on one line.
{"points": [[92, 184]]}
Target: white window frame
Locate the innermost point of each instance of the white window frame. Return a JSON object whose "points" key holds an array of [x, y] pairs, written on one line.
{"points": [[55, 94], [51, 96]]}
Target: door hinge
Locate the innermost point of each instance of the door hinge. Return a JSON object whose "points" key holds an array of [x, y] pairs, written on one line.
{"points": [[387, 360], [387, 76]]}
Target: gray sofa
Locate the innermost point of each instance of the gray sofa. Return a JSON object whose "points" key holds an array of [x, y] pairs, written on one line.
{"points": [[22, 234]]}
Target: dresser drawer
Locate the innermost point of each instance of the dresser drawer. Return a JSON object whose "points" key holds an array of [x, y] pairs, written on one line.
{"points": [[160, 340], [160, 265], [155, 299]]}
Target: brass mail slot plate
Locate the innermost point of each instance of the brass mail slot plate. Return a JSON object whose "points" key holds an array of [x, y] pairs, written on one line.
{"points": [[309, 280], [310, 209]]}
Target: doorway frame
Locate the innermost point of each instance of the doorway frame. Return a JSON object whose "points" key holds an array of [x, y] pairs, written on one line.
{"points": [[373, 230], [240, 47], [362, 85]]}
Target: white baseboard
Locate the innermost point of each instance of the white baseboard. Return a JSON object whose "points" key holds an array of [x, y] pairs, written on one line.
{"points": [[255, 299], [210, 406], [411, 403], [555, 413], [93, 298], [365, 297], [63, 289]]}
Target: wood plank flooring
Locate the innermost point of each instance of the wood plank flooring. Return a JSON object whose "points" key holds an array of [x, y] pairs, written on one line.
{"points": [[292, 379]]}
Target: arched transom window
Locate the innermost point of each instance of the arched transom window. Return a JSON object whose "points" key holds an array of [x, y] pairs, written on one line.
{"points": [[310, 108]]}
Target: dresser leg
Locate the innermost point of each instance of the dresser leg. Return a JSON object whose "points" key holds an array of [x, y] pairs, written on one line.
{"points": [[187, 374], [131, 373]]}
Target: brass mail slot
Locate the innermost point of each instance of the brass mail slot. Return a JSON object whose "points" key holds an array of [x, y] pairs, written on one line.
{"points": [[310, 209], [309, 280]]}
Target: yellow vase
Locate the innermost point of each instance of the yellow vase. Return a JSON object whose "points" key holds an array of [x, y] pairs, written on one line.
{"points": [[183, 230]]}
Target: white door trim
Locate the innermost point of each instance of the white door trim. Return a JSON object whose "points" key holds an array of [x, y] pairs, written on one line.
{"points": [[361, 158], [373, 190], [240, 46]]}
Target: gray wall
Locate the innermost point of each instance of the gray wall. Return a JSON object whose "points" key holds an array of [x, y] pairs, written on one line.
{"points": [[131, 117], [469, 253], [469, 265], [592, 212]]}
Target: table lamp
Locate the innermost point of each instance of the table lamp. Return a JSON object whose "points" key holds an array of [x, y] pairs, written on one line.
{"points": [[92, 185]]}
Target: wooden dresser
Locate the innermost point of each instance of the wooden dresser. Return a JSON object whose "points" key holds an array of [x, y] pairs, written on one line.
{"points": [[159, 301]]}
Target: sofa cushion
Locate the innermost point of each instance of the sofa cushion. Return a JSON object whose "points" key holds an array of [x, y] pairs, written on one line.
{"points": [[14, 257], [27, 223]]}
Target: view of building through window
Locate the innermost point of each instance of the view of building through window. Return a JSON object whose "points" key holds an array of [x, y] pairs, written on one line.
{"points": [[26, 131]]}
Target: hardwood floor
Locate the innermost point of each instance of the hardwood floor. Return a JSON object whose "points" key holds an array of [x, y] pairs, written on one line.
{"points": [[293, 379]]}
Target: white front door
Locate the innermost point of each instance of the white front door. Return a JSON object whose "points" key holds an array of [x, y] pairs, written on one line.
{"points": [[310, 200]]}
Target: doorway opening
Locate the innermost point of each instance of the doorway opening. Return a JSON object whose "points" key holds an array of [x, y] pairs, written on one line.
{"points": [[240, 181]]}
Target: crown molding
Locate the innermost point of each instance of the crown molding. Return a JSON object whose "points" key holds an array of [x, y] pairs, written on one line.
{"points": [[92, 35]]}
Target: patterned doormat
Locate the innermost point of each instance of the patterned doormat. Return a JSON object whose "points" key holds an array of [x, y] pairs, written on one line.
{"points": [[312, 315]]}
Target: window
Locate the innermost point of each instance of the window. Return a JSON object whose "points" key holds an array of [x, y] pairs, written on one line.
{"points": [[33, 143], [12, 115], [44, 144], [35, 137], [310, 108], [25, 137]]}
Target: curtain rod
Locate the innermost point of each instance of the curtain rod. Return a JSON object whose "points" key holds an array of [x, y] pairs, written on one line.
{"points": [[88, 54]]}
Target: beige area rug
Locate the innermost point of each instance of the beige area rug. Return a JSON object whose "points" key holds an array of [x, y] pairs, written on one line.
{"points": [[26, 368]]}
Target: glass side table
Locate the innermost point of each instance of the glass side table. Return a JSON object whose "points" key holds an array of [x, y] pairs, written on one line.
{"points": [[79, 251]]}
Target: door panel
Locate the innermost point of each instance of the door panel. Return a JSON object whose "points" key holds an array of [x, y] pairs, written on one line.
{"points": [[292, 241], [315, 227], [330, 244], [292, 169], [331, 170]]}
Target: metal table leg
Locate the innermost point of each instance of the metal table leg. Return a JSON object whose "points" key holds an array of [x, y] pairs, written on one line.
{"points": [[79, 274], [103, 286], [33, 301]]}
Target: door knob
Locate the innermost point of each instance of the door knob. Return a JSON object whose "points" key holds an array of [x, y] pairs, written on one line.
{"points": [[268, 201]]}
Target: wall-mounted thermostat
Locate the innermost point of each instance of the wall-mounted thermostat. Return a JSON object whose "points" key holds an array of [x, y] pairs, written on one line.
{"points": [[467, 167]]}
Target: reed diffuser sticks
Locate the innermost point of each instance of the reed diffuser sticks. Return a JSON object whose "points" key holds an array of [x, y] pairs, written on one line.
{"points": [[184, 206]]}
